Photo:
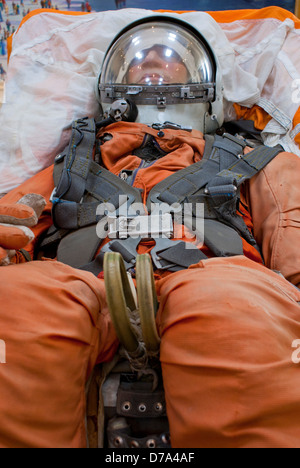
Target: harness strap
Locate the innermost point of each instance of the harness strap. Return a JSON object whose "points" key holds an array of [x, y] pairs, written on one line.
{"points": [[79, 176], [83, 186], [78, 247], [71, 185], [214, 183], [103, 188], [84, 192], [181, 256], [182, 185], [223, 189], [166, 254]]}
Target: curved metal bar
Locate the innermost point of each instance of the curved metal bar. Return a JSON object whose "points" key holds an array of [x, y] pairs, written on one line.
{"points": [[119, 299], [147, 302]]}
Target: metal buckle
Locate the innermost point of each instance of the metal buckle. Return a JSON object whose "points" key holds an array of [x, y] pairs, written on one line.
{"points": [[53, 197], [144, 226], [172, 126]]}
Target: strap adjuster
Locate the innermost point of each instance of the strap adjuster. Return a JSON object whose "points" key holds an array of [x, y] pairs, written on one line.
{"points": [[143, 226]]}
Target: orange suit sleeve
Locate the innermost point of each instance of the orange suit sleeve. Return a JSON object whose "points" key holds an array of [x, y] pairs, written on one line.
{"points": [[274, 199]]}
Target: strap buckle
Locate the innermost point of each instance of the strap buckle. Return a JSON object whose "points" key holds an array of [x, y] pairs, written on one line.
{"points": [[53, 196], [143, 226]]}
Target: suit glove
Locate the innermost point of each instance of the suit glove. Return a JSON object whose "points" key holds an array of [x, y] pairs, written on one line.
{"points": [[15, 223]]}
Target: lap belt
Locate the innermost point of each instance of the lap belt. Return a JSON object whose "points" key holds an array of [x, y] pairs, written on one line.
{"points": [[87, 194], [166, 254]]}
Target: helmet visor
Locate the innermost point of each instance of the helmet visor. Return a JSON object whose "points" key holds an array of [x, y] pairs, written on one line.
{"points": [[158, 53]]}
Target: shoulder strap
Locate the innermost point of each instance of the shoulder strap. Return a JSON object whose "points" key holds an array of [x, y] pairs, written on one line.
{"points": [[215, 182], [82, 184], [226, 159]]}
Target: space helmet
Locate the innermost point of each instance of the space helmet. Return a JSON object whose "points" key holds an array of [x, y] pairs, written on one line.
{"points": [[165, 71]]}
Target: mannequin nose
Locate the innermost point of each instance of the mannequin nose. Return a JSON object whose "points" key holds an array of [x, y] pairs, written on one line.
{"points": [[152, 57]]}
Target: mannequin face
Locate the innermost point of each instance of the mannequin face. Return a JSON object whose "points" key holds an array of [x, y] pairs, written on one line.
{"points": [[157, 66]]}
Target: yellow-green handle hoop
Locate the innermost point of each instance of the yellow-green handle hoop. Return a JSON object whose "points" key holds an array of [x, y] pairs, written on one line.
{"points": [[147, 302], [119, 298]]}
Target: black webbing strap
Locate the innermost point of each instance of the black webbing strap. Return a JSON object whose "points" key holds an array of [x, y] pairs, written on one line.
{"points": [[82, 184], [71, 179], [102, 187], [214, 183], [72, 182], [245, 166], [78, 247], [226, 161], [172, 255], [181, 256], [82, 187], [222, 191]]}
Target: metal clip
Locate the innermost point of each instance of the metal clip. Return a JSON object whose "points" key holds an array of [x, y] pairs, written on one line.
{"points": [[172, 126], [161, 102], [185, 93], [109, 92], [151, 226], [134, 90]]}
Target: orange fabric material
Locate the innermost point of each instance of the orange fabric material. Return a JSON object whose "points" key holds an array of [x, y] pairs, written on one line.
{"points": [[258, 115], [11, 237], [217, 305], [18, 258], [227, 329], [230, 16], [184, 148], [3, 255], [296, 121], [42, 184], [55, 325], [274, 200], [18, 211]]}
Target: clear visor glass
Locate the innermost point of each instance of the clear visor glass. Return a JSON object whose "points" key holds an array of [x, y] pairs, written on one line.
{"points": [[157, 53]]}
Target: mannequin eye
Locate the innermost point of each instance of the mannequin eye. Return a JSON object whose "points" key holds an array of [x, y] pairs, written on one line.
{"points": [[165, 53], [139, 56]]}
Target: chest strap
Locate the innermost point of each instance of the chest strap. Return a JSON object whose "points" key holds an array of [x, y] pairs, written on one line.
{"points": [[82, 186], [215, 183]]}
